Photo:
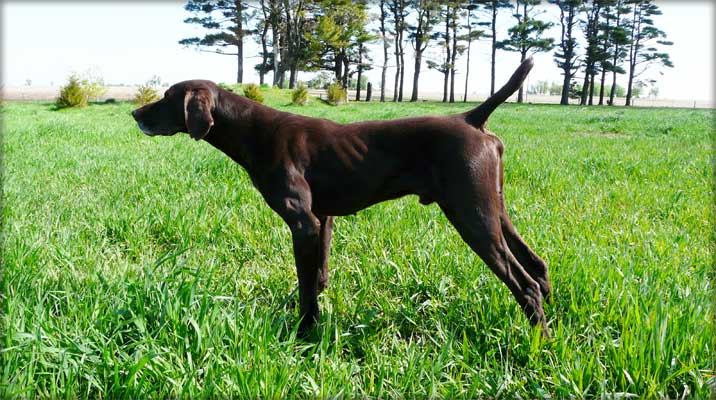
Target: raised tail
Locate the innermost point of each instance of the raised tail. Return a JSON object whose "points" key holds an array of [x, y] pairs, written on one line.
{"points": [[477, 117]]}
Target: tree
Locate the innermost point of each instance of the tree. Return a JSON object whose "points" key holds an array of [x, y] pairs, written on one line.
{"points": [[446, 10], [592, 11], [472, 34], [526, 37], [227, 22], [618, 39], [457, 49], [398, 9], [493, 6], [362, 59], [642, 34], [565, 57], [262, 27], [339, 31], [420, 33], [386, 45], [294, 44]]}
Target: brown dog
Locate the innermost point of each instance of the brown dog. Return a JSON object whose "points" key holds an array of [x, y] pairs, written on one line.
{"points": [[309, 170]]}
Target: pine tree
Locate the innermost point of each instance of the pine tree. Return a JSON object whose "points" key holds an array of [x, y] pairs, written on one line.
{"points": [[527, 36], [473, 34], [226, 31], [643, 33], [399, 12], [420, 34], [566, 57], [619, 40], [590, 28], [493, 7], [383, 16]]}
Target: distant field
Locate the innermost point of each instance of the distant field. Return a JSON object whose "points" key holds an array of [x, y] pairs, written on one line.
{"points": [[149, 267]]}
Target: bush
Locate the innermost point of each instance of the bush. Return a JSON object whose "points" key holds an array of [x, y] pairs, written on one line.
{"points": [[336, 94], [299, 96], [93, 86], [72, 94], [226, 86], [253, 92], [79, 90], [146, 94]]}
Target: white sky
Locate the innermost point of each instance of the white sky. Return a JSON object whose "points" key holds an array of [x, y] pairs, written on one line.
{"points": [[132, 41]]}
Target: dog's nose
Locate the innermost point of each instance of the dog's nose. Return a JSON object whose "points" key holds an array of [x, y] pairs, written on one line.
{"points": [[134, 114]]}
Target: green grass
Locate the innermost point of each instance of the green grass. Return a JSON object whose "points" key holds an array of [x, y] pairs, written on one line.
{"points": [[149, 267]]}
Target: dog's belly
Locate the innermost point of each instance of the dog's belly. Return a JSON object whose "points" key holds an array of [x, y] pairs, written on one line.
{"points": [[350, 193]]}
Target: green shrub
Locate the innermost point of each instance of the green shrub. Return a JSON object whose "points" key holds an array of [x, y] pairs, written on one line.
{"points": [[253, 92], [146, 94], [265, 86], [93, 86], [226, 86], [299, 96], [79, 90], [72, 94], [336, 94]]}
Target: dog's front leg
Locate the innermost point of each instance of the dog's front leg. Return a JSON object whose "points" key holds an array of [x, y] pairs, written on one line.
{"points": [[305, 233], [291, 199]]}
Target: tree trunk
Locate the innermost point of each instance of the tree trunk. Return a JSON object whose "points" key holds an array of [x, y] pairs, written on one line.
{"points": [[399, 56], [605, 48], [402, 68], [397, 61], [591, 86], [277, 40], [633, 49], [601, 87], [446, 71], [467, 66], [240, 44], [264, 53], [368, 92], [454, 56], [416, 73], [568, 49], [564, 100], [385, 51], [360, 70], [397, 77], [523, 52], [585, 87], [520, 93], [612, 92], [346, 69], [293, 75], [630, 84], [494, 47]]}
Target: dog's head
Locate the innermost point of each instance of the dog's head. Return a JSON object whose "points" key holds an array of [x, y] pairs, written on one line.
{"points": [[186, 107]]}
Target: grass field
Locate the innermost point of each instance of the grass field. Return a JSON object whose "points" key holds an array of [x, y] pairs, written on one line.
{"points": [[149, 267]]}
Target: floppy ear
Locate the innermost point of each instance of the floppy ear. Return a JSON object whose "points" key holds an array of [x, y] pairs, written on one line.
{"points": [[197, 112]]}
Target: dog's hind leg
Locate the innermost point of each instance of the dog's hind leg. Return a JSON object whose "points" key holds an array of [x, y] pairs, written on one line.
{"points": [[481, 231], [325, 249], [472, 204], [532, 263]]}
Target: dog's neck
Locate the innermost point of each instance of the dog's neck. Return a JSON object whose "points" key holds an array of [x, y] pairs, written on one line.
{"points": [[241, 128]]}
